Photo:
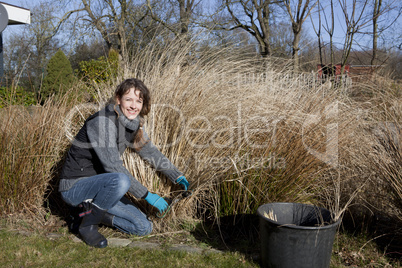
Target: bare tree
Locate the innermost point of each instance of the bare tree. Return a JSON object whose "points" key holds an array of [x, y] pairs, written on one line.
{"points": [[376, 13], [301, 11], [186, 10], [318, 31], [113, 19], [390, 11], [358, 17], [110, 18], [185, 14], [254, 17], [281, 39], [28, 51], [330, 30], [355, 19], [329, 27]]}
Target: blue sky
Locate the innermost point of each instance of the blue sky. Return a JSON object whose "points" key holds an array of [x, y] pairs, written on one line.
{"points": [[22, 3], [339, 21]]}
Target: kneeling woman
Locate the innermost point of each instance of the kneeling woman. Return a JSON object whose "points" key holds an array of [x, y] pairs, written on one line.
{"points": [[94, 176]]}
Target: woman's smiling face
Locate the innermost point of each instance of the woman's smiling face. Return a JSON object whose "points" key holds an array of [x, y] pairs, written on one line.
{"points": [[131, 103]]}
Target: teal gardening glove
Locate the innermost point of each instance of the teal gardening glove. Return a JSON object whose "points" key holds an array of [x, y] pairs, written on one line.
{"points": [[183, 182], [156, 201]]}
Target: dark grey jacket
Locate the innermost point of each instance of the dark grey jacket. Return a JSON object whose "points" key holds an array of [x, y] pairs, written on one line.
{"points": [[98, 148]]}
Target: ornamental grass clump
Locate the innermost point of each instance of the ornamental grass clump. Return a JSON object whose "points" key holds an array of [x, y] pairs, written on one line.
{"points": [[242, 140], [32, 141], [383, 196]]}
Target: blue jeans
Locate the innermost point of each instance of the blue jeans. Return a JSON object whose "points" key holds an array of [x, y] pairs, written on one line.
{"points": [[107, 192]]}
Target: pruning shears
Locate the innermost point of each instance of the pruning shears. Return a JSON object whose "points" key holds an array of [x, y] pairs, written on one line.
{"points": [[172, 201]]}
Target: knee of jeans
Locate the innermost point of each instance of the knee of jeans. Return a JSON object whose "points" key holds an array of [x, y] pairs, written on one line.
{"points": [[147, 228], [141, 230], [123, 181]]}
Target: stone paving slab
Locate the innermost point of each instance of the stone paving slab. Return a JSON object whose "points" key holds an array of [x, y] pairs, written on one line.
{"points": [[144, 245], [123, 242], [186, 249], [118, 242]]}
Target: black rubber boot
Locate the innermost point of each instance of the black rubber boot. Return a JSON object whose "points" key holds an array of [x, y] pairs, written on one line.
{"points": [[88, 229], [74, 220], [107, 219]]}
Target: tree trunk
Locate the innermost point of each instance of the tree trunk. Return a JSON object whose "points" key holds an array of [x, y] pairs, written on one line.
{"points": [[295, 49], [297, 16], [265, 48], [184, 17], [331, 34], [319, 33], [376, 13]]}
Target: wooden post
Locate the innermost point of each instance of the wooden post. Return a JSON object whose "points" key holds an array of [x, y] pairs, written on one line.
{"points": [[1, 58]]}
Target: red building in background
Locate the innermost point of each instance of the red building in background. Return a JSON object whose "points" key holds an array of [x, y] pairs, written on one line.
{"points": [[331, 70], [356, 72]]}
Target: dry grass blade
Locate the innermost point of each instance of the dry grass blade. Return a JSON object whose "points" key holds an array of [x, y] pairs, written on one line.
{"points": [[270, 215]]}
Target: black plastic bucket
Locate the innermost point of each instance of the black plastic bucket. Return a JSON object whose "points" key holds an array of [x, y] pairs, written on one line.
{"points": [[296, 235]]}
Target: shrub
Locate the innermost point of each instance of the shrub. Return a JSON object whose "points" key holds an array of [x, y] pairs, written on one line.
{"points": [[16, 96], [59, 75], [101, 70]]}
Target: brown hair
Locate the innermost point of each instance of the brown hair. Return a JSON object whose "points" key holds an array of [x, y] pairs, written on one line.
{"points": [[122, 89]]}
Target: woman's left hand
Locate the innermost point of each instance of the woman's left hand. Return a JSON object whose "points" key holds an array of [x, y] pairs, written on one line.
{"points": [[183, 182]]}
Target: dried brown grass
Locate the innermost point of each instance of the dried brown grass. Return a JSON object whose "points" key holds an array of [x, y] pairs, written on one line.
{"points": [[241, 143], [32, 141], [269, 142]]}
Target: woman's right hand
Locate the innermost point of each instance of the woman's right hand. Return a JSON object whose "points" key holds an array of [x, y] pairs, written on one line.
{"points": [[156, 201]]}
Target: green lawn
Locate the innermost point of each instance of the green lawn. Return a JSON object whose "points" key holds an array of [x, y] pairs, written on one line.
{"points": [[38, 250]]}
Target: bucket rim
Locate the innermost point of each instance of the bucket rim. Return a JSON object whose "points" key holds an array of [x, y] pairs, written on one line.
{"points": [[293, 226]]}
